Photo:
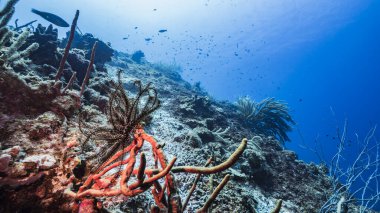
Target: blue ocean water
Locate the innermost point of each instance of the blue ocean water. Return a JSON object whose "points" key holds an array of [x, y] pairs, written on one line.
{"points": [[341, 74], [323, 58]]}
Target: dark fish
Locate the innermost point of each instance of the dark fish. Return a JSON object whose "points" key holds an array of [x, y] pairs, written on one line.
{"points": [[162, 31], [51, 18], [148, 39]]}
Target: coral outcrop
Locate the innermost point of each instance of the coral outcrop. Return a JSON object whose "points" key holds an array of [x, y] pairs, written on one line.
{"points": [[47, 39], [85, 43]]}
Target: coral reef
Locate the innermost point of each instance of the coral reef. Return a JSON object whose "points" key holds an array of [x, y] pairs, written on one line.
{"points": [[45, 155]]}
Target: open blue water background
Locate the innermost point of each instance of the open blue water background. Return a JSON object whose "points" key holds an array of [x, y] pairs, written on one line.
{"points": [[322, 57]]}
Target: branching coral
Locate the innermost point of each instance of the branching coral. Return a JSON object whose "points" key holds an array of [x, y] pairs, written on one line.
{"points": [[11, 53], [64, 59], [5, 15], [268, 117], [100, 185], [126, 138], [9, 47]]}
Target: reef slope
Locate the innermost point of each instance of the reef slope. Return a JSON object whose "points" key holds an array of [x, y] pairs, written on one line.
{"points": [[39, 132]]}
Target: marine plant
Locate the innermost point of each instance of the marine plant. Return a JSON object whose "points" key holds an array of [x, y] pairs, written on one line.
{"points": [[269, 117], [126, 138]]}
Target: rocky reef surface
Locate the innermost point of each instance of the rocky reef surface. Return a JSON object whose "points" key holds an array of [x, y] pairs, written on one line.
{"points": [[40, 135]]}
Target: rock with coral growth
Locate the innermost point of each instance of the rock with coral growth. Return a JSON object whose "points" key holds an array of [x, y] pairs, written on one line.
{"points": [[13, 151], [42, 161], [47, 38], [4, 162], [87, 205], [45, 125], [85, 42]]}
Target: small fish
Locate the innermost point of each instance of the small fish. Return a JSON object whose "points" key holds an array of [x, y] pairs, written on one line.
{"points": [[302, 146], [51, 18], [148, 39], [162, 31]]}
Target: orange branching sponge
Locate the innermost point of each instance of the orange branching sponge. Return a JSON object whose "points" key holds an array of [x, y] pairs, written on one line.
{"points": [[99, 184], [125, 138]]}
